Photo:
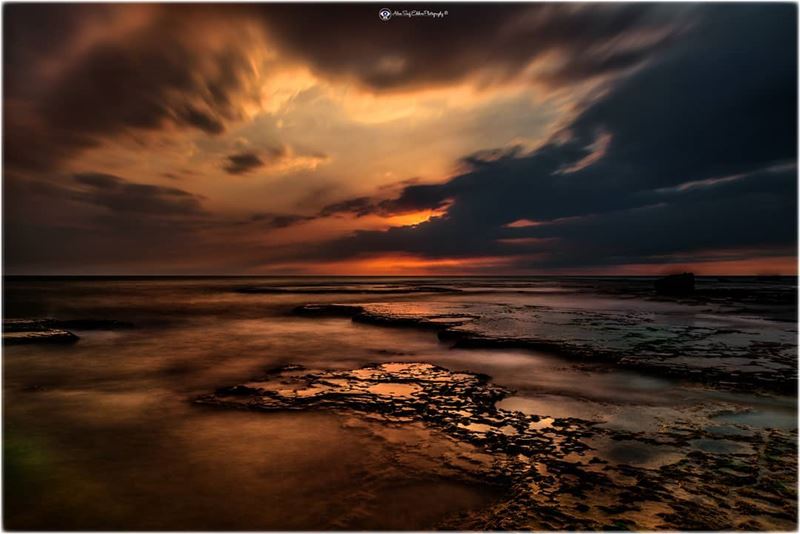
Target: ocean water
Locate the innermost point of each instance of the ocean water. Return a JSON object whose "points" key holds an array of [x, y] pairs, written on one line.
{"points": [[102, 433]]}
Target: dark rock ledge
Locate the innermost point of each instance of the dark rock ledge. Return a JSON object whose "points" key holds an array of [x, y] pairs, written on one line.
{"points": [[24, 331], [663, 355]]}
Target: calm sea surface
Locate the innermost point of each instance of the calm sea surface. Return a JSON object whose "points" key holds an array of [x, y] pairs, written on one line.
{"points": [[102, 434]]}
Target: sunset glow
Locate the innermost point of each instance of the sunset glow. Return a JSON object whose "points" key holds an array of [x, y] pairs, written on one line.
{"points": [[208, 139]]}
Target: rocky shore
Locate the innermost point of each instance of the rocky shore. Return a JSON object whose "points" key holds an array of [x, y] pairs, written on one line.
{"points": [[25, 331], [732, 355], [557, 474]]}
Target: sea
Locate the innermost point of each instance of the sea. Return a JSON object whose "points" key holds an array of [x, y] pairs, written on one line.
{"points": [[103, 433]]}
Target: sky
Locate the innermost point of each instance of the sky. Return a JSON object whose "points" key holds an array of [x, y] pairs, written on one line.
{"points": [[533, 139]]}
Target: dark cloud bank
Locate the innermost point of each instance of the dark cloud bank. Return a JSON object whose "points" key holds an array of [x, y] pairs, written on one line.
{"points": [[165, 72], [490, 42], [119, 195], [159, 74], [700, 128], [702, 158]]}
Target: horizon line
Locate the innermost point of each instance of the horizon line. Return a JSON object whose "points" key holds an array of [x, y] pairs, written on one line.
{"points": [[583, 275]]}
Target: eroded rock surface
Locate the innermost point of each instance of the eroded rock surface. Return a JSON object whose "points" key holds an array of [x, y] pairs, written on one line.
{"points": [[702, 347], [558, 473]]}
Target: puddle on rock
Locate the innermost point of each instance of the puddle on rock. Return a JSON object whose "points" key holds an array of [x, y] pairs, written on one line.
{"points": [[721, 446], [635, 453]]}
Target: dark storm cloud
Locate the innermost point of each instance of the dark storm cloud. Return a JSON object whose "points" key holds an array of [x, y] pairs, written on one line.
{"points": [[242, 163], [360, 207], [276, 221], [499, 40], [112, 221], [750, 212], [164, 71], [103, 224], [133, 84], [122, 196], [413, 198], [148, 77], [702, 156], [34, 32], [719, 103], [201, 120], [701, 123], [284, 221]]}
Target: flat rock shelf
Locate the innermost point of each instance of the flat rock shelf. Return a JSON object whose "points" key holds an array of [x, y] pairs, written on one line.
{"points": [[555, 473], [741, 355]]}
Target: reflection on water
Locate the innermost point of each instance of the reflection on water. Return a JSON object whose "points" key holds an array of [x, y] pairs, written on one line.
{"points": [[635, 453], [100, 431], [97, 432]]}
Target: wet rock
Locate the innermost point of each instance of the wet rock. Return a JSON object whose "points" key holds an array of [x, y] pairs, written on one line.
{"points": [[23, 331], [554, 479], [25, 325], [460, 403], [49, 335], [33, 325], [675, 284], [236, 391], [380, 317], [737, 355]]}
